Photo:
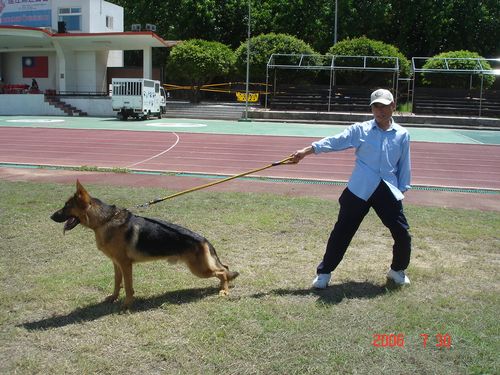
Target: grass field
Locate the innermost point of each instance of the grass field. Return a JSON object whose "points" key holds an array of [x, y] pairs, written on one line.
{"points": [[53, 322]]}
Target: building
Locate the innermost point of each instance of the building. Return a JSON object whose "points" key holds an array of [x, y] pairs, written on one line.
{"points": [[66, 46]]}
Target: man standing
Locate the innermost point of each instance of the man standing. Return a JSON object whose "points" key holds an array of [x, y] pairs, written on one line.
{"points": [[380, 177]]}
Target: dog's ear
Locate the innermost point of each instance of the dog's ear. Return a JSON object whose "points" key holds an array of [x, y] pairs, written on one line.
{"points": [[82, 194]]}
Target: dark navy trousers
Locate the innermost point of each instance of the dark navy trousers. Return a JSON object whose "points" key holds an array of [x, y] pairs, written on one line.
{"points": [[351, 214]]}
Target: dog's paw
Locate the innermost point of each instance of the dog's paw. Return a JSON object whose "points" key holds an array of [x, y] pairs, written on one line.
{"points": [[127, 304], [223, 292], [110, 299]]}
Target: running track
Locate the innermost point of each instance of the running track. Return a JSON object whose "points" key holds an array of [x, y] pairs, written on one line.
{"points": [[433, 164]]}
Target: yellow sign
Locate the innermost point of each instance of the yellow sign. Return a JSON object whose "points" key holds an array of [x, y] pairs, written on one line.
{"points": [[253, 97]]}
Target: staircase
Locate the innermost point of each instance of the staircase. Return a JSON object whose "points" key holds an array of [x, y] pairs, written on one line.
{"points": [[68, 109], [215, 111]]}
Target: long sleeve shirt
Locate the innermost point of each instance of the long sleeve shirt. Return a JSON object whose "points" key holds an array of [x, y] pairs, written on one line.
{"points": [[380, 155]]}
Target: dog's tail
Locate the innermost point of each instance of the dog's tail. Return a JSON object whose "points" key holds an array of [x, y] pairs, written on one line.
{"points": [[230, 274]]}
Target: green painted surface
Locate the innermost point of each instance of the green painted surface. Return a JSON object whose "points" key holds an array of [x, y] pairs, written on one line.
{"points": [[240, 128]]}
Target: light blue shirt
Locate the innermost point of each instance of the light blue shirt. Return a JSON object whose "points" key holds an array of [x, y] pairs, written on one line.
{"points": [[380, 155]]}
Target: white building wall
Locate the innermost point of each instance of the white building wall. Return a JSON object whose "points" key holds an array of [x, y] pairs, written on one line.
{"points": [[34, 105], [90, 68], [85, 66], [94, 13], [98, 12], [115, 58], [101, 71], [70, 77]]}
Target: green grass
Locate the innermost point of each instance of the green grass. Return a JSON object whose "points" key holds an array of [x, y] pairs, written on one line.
{"points": [[52, 320], [404, 107]]}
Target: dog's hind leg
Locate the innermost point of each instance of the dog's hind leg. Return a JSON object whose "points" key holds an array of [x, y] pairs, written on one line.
{"points": [[205, 263], [118, 284], [224, 282]]}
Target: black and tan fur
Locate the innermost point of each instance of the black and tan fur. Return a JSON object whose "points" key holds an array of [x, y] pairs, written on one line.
{"points": [[127, 238]]}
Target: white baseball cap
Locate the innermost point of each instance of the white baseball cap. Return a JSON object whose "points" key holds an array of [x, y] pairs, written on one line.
{"points": [[381, 96]]}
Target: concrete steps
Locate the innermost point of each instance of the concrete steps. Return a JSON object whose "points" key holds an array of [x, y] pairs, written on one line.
{"points": [[65, 107], [236, 111], [217, 111]]}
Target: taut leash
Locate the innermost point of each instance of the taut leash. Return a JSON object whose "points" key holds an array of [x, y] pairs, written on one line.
{"points": [[158, 200]]}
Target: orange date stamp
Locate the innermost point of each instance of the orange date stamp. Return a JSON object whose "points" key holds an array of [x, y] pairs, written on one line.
{"points": [[392, 340]]}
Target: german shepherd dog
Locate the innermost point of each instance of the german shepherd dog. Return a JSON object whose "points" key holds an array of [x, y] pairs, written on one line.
{"points": [[126, 239]]}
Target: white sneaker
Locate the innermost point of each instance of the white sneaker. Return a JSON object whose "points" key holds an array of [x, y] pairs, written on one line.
{"points": [[321, 280], [399, 277]]}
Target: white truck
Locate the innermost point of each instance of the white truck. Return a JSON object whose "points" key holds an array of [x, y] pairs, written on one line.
{"points": [[138, 98]]}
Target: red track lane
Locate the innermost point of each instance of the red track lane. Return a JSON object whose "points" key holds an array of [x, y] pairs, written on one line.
{"points": [[437, 164]]}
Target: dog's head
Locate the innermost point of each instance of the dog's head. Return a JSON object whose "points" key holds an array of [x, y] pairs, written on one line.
{"points": [[74, 209]]}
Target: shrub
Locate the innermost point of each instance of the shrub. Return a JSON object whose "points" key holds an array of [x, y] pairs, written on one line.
{"points": [[261, 49], [198, 62], [457, 60], [368, 47]]}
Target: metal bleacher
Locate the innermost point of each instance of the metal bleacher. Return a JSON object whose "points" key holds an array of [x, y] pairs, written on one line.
{"points": [[317, 98], [456, 102]]}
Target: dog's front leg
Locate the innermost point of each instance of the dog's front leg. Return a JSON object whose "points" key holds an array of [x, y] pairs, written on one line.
{"points": [[126, 268], [118, 284]]}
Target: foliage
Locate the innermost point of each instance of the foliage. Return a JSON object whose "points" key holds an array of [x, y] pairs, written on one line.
{"points": [[198, 62], [367, 47], [428, 27], [459, 60], [311, 21], [417, 28], [263, 46]]}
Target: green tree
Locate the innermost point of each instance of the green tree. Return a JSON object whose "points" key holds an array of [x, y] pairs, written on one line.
{"points": [[457, 60], [367, 47], [261, 49], [309, 20], [198, 62], [417, 28], [427, 27]]}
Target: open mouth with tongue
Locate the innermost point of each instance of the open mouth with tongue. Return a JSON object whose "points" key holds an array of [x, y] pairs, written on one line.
{"points": [[71, 223]]}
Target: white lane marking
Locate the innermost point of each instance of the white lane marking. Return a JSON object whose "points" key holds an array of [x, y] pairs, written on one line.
{"points": [[176, 125], [155, 156], [37, 120]]}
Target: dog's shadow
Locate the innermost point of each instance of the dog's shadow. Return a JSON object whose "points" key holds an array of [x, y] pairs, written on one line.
{"points": [[332, 295], [336, 293], [98, 310]]}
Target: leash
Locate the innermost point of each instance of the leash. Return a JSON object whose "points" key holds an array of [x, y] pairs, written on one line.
{"points": [[158, 200]]}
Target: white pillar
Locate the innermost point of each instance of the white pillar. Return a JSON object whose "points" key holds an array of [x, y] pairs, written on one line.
{"points": [[60, 67], [147, 63]]}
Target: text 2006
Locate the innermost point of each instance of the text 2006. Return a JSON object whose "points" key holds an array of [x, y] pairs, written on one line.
{"points": [[391, 340]]}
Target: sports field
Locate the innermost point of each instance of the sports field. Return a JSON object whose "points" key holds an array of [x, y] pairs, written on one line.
{"points": [[451, 168], [272, 228]]}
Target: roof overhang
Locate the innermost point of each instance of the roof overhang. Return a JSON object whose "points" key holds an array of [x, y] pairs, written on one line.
{"points": [[17, 38], [113, 41]]}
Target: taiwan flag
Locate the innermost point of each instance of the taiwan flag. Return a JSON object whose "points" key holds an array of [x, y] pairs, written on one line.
{"points": [[36, 67]]}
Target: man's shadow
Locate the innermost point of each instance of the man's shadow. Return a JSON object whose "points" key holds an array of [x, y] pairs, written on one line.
{"points": [[331, 295], [98, 310], [336, 293]]}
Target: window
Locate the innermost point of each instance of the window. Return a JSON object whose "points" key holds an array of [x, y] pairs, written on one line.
{"points": [[109, 22], [72, 17]]}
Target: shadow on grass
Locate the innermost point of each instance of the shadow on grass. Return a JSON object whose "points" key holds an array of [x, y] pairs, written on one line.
{"points": [[335, 293], [96, 311]]}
